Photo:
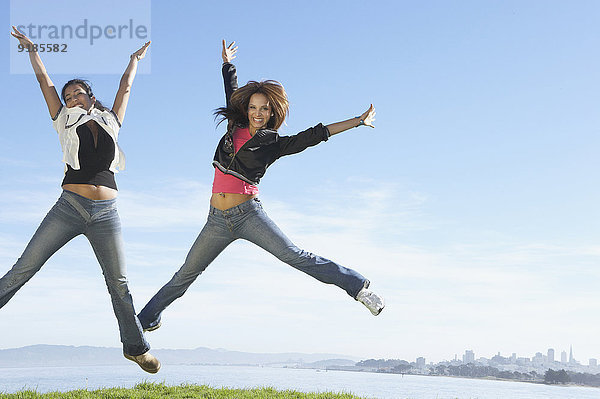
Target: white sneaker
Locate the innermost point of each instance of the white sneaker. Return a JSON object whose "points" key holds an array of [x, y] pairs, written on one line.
{"points": [[371, 300]]}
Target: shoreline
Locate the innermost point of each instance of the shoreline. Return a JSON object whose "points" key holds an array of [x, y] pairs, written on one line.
{"points": [[489, 378]]}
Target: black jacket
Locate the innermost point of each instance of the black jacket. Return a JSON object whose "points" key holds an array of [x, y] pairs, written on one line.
{"points": [[265, 147]]}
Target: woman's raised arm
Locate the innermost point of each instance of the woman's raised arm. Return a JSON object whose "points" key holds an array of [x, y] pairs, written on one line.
{"points": [[122, 97], [365, 119], [48, 89], [228, 70]]}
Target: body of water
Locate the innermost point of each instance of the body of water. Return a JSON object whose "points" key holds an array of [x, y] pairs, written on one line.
{"points": [[371, 385]]}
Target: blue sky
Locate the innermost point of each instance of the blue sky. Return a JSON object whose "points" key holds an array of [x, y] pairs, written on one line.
{"points": [[472, 207]]}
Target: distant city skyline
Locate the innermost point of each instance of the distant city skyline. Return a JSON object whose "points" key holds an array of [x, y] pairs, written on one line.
{"points": [[537, 360]]}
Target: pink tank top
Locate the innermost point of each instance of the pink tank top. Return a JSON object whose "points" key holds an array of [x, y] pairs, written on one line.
{"points": [[224, 183]]}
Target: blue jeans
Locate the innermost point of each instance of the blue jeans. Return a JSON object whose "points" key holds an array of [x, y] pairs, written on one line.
{"points": [[99, 221], [250, 222]]}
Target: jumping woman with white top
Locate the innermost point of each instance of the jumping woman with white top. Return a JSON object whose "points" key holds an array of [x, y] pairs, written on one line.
{"points": [[88, 134]]}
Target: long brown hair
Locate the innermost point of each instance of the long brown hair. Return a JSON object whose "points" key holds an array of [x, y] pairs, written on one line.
{"points": [[237, 112]]}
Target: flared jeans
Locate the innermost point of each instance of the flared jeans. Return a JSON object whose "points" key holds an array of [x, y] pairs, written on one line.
{"points": [[99, 221], [250, 222]]}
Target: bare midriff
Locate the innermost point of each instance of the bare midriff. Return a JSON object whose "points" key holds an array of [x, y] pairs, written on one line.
{"points": [[223, 201], [90, 191]]}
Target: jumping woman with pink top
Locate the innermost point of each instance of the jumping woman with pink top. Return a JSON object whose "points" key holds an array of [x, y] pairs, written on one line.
{"points": [[251, 144]]}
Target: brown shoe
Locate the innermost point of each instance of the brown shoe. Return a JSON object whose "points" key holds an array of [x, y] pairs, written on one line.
{"points": [[146, 361], [156, 327]]}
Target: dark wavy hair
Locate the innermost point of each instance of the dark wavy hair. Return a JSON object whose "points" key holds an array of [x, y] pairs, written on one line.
{"points": [[85, 85], [237, 112]]}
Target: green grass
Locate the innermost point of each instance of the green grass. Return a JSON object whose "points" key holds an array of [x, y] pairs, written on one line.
{"points": [[152, 390]]}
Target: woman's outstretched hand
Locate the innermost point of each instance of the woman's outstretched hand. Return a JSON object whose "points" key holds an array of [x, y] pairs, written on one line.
{"points": [[24, 40], [228, 52], [141, 53], [368, 117]]}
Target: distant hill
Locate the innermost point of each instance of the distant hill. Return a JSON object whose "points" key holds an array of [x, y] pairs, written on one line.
{"points": [[59, 355]]}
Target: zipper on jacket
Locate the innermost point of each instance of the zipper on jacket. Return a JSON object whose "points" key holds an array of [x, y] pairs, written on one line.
{"points": [[235, 153]]}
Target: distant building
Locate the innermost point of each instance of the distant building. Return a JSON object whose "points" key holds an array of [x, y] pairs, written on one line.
{"points": [[421, 362], [550, 355], [593, 362], [571, 359], [513, 358], [523, 361], [499, 359], [563, 357], [538, 359], [469, 357]]}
